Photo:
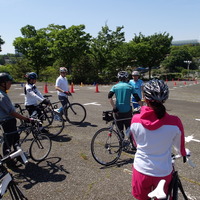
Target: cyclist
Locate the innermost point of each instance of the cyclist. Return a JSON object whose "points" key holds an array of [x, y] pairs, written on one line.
{"points": [[122, 108], [33, 96], [62, 86], [154, 132], [138, 86], [8, 114]]}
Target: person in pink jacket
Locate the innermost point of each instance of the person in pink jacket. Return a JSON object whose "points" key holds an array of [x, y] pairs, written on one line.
{"points": [[154, 132]]}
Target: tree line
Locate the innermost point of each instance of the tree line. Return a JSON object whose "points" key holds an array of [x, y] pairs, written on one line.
{"points": [[95, 59]]}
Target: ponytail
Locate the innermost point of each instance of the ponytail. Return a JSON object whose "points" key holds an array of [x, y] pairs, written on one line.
{"points": [[158, 108]]}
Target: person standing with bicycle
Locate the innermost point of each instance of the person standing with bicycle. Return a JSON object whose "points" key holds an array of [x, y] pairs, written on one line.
{"points": [[154, 132], [122, 107], [33, 96], [138, 86], [8, 114], [62, 86]]}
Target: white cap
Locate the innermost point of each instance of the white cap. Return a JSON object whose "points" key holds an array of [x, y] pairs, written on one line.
{"points": [[135, 73]]}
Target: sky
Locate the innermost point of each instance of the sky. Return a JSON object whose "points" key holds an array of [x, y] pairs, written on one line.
{"points": [[179, 18]]}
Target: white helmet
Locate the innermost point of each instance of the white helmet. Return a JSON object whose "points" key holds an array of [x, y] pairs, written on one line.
{"points": [[156, 90], [63, 69], [135, 73], [122, 75]]}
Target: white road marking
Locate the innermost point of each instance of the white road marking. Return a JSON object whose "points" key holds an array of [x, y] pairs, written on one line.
{"points": [[197, 119], [191, 138], [92, 103], [128, 171]]}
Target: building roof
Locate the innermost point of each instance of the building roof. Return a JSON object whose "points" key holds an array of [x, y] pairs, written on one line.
{"points": [[185, 42]]}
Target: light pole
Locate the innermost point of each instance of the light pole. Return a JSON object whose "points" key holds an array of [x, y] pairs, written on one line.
{"points": [[188, 65]]}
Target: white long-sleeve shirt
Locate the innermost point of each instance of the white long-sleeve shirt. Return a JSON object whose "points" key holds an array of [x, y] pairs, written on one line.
{"points": [[32, 95], [154, 139]]}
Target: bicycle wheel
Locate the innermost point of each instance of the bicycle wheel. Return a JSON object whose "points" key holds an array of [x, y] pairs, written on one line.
{"points": [[75, 113], [40, 147], [106, 146], [175, 189], [53, 121]]}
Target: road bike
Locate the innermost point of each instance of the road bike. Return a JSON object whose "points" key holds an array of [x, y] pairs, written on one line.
{"points": [[108, 143], [74, 113], [51, 120], [175, 184], [7, 182], [39, 145]]}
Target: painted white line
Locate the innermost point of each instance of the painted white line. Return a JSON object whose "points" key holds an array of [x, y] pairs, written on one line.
{"points": [[92, 103], [197, 119], [18, 88], [91, 88], [128, 171], [191, 138]]}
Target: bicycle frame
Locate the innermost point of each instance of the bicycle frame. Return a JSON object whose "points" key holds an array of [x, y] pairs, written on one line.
{"points": [[174, 185], [6, 179]]}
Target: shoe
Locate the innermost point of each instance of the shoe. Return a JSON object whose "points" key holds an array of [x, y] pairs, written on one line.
{"points": [[57, 118]]}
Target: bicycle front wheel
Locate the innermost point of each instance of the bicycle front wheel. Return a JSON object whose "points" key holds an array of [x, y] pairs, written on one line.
{"points": [[75, 113], [40, 147], [106, 146], [54, 122]]}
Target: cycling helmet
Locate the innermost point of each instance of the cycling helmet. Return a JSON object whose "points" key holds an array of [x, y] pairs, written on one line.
{"points": [[4, 77], [135, 73], [122, 75], [63, 69], [156, 90], [31, 75]]}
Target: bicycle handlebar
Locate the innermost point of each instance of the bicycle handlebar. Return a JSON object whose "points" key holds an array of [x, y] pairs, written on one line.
{"points": [[13, 155], [188, 154]]}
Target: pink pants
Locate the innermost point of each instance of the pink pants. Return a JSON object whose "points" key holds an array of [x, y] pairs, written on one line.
{"points": [[142, 184]]}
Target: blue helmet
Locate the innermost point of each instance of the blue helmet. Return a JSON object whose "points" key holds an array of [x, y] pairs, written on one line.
{"points": [[31, 75]]}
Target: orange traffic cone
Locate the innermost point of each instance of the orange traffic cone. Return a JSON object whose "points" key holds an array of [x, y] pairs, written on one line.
{"points": [[174, 83], [45, 88], [72, 88], [97, 88]]}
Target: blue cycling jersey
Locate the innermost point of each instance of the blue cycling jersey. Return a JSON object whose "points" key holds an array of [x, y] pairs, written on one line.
{"points": [[137, 86], [123, 92]]}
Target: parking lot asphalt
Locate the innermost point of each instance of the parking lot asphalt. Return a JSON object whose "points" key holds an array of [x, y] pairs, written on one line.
{"points": [[71, 173]]}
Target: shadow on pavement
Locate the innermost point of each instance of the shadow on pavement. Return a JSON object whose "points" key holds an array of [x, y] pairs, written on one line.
{"points": [[119, 163], [61, 138], [86, 124], [44, 171]]}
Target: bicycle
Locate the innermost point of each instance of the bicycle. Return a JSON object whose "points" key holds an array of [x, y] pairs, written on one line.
{"points": [[175, 184], [6, 179], [40, 145], [108, 143], [51, 120], [74, 113]]}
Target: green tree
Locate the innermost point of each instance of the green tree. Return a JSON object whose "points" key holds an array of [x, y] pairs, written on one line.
{"points": [[174, 62], [151, 50], [34, 46], [104, 51], [1, 42], [69, 44]]}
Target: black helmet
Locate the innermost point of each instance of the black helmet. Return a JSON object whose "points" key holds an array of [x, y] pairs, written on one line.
{"points": [[31, 75], [156, 90], [4, 77], [122, 75]]}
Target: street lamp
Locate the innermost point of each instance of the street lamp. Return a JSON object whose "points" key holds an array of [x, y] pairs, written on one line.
{"points": [[188, 65]]}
